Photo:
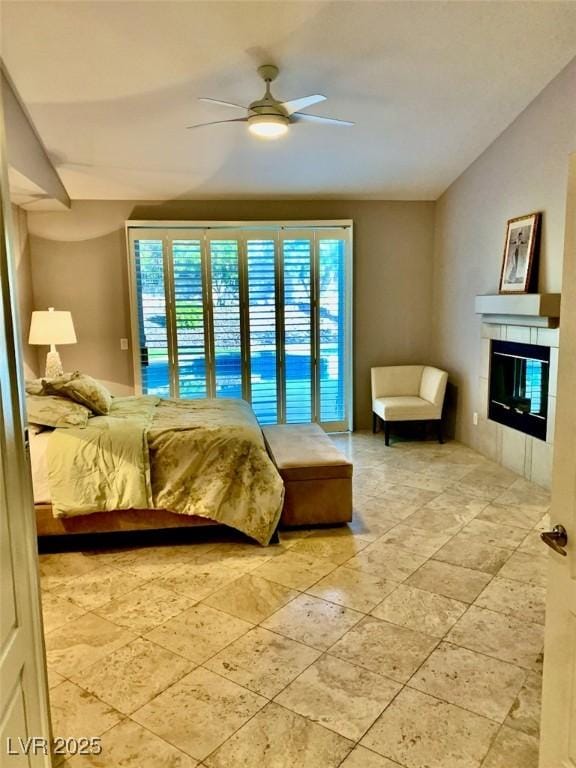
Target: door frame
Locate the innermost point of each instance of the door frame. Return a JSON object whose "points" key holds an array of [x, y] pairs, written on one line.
{"points": [[25, 636], [559, 675]]}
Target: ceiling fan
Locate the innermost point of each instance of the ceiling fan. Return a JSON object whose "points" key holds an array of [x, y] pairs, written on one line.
{"points": [[269, 118]]}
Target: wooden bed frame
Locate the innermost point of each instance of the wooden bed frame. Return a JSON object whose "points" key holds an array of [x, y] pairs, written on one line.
{"points": [[122, 528], [113, 522]]}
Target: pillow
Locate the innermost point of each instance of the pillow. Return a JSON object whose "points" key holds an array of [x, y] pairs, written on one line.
{"points": [[82, 389], [34, 387], [51, 411]]}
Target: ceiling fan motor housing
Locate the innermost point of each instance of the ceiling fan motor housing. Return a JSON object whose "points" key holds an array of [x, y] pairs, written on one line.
{"points": [[267, 116], [268, 105], [268, 72]]}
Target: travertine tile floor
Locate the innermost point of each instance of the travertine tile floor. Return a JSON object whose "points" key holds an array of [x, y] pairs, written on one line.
{"points": [[411, 638]]}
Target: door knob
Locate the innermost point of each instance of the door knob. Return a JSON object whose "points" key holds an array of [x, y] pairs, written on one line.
{"points": [[557, 538]]}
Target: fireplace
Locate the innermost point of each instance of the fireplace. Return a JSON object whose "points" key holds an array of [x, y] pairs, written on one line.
{"points": [[518, 387]]}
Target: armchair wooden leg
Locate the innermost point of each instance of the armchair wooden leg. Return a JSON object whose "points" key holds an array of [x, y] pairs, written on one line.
{"points": [[374, 423], [439, 432], [387, 433]]}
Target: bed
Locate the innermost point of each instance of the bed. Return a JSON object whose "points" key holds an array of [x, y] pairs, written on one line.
{"points": [[156, 463]]}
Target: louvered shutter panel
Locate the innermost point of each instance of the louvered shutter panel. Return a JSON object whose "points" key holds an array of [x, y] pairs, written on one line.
{"points": [[189, 317], [152, 321], [297, 269], [331, 329], [262, 324], [226, 317]]}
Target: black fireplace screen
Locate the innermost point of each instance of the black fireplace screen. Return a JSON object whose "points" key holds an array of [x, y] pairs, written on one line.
{"points": [[518, 394]]}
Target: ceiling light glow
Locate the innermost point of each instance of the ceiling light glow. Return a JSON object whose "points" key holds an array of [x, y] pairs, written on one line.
{"points": [[268, 126]]}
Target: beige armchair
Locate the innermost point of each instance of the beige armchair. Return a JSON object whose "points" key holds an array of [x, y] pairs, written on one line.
{"points": [[407, 393]]}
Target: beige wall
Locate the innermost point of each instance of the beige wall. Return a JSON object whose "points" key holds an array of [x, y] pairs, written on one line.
{"points": [[524, 170], [23, 270], [79, 263]]}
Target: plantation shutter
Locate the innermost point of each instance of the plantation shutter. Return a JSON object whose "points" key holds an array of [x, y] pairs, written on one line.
{"points": [[263, 314], [262, 317], [189, 316], [298, 337], [226, 323], [152, 317], [331, 327]]}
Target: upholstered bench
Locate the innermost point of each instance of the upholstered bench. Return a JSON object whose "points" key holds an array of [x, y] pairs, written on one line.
{"points": [[317, 477]]}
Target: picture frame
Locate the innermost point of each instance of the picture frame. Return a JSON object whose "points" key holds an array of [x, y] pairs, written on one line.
{"points": [[520, 254]]}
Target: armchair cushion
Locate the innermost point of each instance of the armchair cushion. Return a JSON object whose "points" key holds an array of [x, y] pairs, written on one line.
{"points": [[404, 409], [433, 385], [396, 380]]}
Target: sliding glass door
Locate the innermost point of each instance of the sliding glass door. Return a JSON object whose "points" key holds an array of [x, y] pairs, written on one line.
{"points": [[262, 314]]}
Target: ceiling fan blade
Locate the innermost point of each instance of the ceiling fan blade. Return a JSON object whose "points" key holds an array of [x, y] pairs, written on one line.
{"points": [[219, 122], [223, 103], [305, 101], [303, 117]]}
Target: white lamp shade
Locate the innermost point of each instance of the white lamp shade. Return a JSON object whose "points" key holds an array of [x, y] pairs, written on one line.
{"points": [[52, 327]]}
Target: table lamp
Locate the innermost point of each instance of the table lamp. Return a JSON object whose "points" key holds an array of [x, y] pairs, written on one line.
{"points": [[51, 328]]}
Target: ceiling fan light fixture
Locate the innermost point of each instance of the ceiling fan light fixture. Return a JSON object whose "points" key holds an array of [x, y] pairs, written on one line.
{"points": [[269, 118], [268, 126]]}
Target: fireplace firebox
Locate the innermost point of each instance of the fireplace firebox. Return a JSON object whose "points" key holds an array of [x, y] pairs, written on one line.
{"points": [[518, 392]]}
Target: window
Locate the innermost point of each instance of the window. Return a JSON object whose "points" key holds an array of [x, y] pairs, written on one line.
{"points": [[259, 312]]}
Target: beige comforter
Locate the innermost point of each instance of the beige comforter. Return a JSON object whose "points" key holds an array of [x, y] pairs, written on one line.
{"points": [[103, 466], [192, 457]]}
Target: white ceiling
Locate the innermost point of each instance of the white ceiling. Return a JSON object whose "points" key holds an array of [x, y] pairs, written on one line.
{"points": [[112, 85]]}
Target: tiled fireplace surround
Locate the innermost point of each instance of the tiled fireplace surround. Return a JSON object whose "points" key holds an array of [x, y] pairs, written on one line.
{"points": [[526, 455]]}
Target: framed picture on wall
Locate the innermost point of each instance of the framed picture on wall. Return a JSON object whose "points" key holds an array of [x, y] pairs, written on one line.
{"points": [[520, 253]]}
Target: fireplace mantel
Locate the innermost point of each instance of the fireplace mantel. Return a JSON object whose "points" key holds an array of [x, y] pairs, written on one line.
{"points": [[534, 309]]}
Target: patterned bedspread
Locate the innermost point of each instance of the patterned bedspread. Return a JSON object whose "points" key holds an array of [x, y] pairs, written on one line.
{"points": [[191, 457], [208, 458]]}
